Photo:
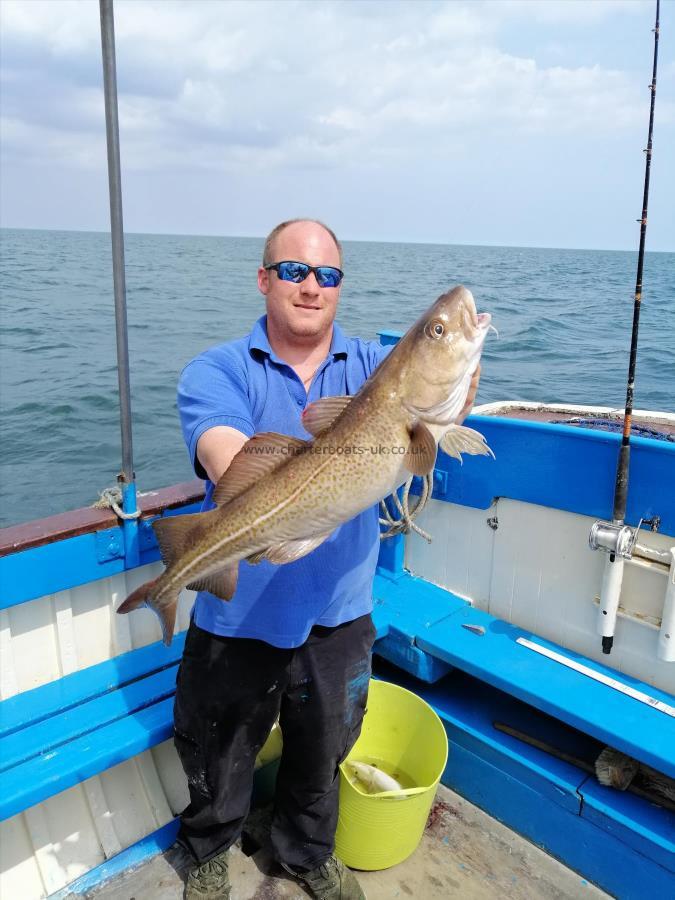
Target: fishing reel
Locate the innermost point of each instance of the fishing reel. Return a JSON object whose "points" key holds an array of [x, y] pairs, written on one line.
{"points": [[619, 540]]}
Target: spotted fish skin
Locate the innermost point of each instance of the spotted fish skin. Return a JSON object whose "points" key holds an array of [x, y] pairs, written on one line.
{"points": [[281, 498]]}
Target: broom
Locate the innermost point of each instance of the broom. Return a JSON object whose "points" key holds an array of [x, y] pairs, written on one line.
{"points": [[612, 768]]}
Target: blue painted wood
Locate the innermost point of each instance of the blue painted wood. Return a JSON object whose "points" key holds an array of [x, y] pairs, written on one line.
{"points": [[413, 604], [381, 616], [65, 564], [539, 795], [392, 554], [496, 658], [53, 567], [399, 621], [389, 337], [562, 467], [59, 696], [646, 827], [598, 857], [60, 729], [71, 763]]}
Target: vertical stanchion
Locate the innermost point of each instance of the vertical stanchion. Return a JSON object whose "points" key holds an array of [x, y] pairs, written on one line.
{"points": [[126, 478]]}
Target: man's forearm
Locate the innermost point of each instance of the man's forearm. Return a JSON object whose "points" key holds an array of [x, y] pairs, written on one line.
{"points": [[216, 449]]}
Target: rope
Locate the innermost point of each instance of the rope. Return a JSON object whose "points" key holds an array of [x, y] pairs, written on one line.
{"points": [[404, 523], [110, 498]]}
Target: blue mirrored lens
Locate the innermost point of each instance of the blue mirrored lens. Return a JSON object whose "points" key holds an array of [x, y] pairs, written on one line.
{"points": [[327, 276], [293, 271]]}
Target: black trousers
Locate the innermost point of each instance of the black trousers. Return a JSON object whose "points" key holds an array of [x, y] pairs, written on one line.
{"points": [[229, 693]]}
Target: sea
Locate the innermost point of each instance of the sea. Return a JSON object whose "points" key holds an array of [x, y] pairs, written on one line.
{"points": [[564, 319]]}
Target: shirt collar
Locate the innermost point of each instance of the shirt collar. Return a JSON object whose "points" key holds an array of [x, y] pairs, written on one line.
{"points": [[260, 341]]}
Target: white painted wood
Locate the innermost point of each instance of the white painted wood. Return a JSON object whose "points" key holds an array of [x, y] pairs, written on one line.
{"points": [[8, 681], [73, 844], [33, 641], [102, 816], [63, 611], [459, 557], [154, 793], [537, 571], [171, 776], [45, 852], [131, 816], [91, 622], [502, 409], [20, 877], [120, 637]]}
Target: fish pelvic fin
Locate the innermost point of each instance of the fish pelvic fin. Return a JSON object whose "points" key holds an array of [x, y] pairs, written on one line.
{"points": [[257, 458], [222, 584], [459, 439], [289, 551], [145, 596], [421, 454]]}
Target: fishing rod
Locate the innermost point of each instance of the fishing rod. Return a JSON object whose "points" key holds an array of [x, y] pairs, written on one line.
{"points": [[616, 537], [126, 479]]}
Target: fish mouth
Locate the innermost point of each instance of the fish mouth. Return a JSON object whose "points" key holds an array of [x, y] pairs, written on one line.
{"points": [[475, 331]]}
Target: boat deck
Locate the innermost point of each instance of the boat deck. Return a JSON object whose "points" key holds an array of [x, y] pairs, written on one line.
{"points": [[464, 853]]}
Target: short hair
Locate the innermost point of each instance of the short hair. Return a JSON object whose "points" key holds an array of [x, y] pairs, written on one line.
{"points": [[275, 232]]}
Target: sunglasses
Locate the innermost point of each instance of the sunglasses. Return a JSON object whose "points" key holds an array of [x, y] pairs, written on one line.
{"points": [[289, 270]]}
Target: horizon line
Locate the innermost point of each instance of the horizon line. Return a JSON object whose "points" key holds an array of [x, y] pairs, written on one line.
{"points": [[342, 240]]}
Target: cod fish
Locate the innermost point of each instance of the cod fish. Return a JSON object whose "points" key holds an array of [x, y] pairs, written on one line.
{"points": [[281, 497], [372, 779]]}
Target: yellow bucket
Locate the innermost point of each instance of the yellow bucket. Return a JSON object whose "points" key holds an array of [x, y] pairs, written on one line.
{"points": [[404, 737]]}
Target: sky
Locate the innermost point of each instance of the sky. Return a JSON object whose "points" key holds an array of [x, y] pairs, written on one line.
{"points": [[510, 122]]}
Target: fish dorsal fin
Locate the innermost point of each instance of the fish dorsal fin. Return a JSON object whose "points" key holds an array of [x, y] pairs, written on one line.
{"points": [[259, 456], [459, 439], [421, 454], [321, 414], [172, 533], [223, 584], [289, 551]]}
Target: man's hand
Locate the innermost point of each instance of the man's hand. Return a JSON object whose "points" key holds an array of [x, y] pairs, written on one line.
{"points": [[470, 397]]}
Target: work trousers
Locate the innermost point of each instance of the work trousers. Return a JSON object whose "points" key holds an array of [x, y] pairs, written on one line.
{"points": [[229, 693]]}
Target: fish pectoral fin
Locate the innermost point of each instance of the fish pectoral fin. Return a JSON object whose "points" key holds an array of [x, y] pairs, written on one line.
{"points": [[421, 454], [459, 439], [257, 458], [320, 415], [288, 551], [221, 584], [172, 533]]}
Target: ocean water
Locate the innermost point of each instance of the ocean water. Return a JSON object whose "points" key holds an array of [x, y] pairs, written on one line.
{"points": [[563, 316]]}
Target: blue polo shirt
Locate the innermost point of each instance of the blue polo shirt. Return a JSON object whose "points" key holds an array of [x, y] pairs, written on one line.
{"points": [[245, 385]]}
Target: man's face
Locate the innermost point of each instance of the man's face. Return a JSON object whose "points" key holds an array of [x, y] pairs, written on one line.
{"points": [[302, 310]]}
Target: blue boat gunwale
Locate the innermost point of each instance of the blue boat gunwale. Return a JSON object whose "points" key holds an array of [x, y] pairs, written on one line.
{"points": [[551, 465]]}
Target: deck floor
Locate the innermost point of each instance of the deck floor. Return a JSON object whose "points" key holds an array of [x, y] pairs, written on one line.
{"points": [[464, 853]]}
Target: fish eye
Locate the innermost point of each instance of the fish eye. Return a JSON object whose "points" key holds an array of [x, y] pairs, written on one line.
{"points": [[435, 329]]}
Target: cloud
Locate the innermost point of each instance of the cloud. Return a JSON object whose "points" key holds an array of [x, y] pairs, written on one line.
{"points": [[202, 84]]}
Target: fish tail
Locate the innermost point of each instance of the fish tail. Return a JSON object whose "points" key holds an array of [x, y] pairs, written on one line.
{"points": [[146, 595]]}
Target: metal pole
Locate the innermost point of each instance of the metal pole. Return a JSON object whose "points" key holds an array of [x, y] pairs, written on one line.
{"points": [[126, 477]]}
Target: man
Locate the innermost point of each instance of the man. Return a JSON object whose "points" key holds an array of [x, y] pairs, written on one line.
{"points": [[295, 640]]}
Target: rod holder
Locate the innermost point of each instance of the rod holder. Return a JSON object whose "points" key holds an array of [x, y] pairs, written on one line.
{"points": [[666, 644]]}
